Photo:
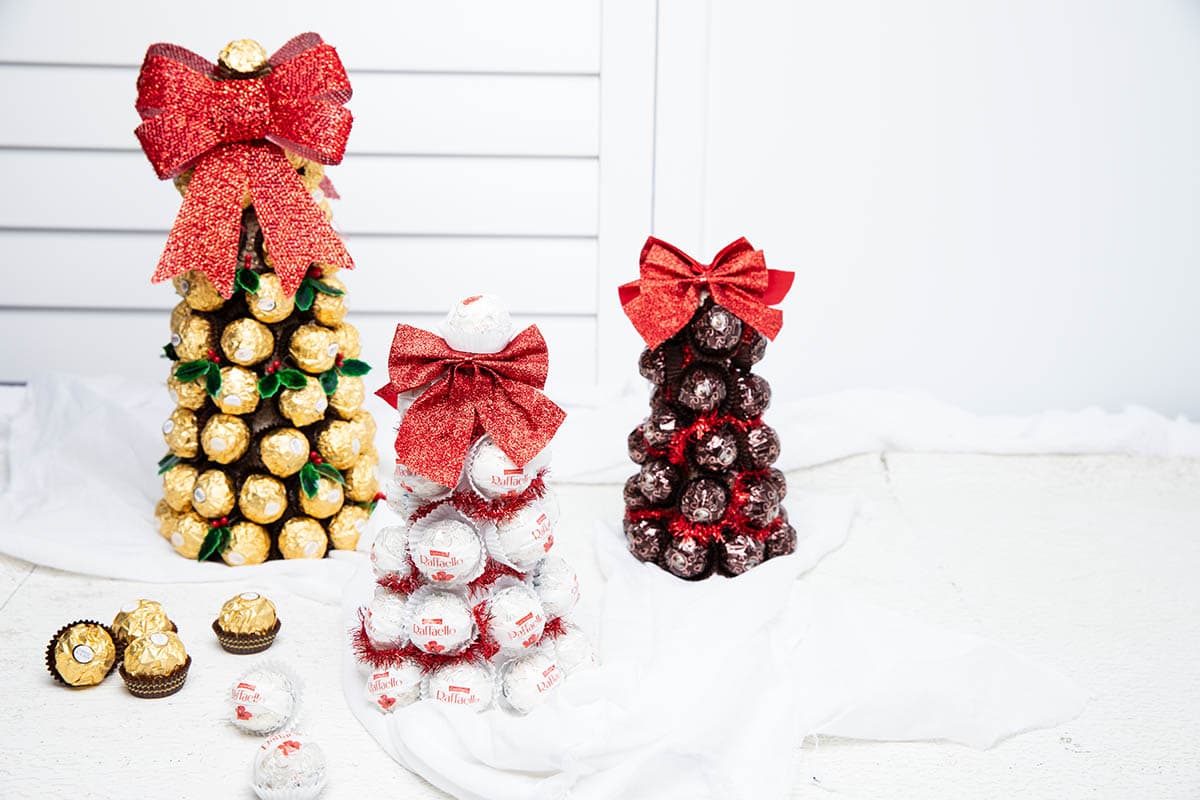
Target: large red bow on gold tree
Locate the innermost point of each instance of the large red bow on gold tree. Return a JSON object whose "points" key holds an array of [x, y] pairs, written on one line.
{"points": [[232, 133], [667, 294], [473, 393]]}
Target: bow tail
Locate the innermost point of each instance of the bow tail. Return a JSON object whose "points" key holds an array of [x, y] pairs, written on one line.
{"points": [[205, 234], [433, 439], [764, 319], [659, 313], [296, 232], [520, 419]]}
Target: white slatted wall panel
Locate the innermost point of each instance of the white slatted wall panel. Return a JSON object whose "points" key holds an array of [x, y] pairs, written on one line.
{"points": [[475, 165]]}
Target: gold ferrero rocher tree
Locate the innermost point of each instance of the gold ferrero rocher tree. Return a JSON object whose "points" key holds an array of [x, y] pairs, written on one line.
{"points": [[270, 451]]}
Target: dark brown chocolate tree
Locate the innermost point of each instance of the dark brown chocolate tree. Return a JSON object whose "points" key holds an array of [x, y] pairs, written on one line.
{"points": [[706, 499]]}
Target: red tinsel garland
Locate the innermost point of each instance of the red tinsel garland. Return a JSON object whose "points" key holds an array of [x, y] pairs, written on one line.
{"points": [[482, 649], [555, 628], [500, 509]]}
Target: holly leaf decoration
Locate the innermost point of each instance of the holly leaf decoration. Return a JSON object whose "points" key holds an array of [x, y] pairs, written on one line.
{"points": [[268, 384], [308, 479], [166, 462], [292, 379], [305, 295], [325, 288], [191, 370], [247, 279], [169, 351], [216, 541], [212, 382], [329, 380], [331, 472], [354, 368]]}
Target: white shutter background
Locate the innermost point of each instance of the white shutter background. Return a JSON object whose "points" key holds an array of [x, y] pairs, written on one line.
{"points": [[500, 148]]}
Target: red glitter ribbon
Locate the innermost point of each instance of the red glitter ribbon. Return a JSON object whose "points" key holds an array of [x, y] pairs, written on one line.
{"points": [[232, 133], [470, 393], [667, 294]]}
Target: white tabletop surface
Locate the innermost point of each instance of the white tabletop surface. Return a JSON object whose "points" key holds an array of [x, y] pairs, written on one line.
{"points": [[1088, 564]]}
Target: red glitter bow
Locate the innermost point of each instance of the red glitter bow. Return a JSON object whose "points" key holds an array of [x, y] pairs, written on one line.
{"points": [[232, 132], [667, 294], [474, 392]]}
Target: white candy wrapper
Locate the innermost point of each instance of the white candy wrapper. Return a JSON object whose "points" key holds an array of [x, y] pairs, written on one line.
{"points": [[408, 491], [446, 547], [389, 552], [557, 586], [516, 618], [573, 650], [523, 540], [387, 620], [463, 685], [477, 324], [289, 766], [526, 682], [440, 621], [493, 474], [264, 698], [394, 687]]}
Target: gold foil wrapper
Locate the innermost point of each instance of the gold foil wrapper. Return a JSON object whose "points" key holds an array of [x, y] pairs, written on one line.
{"points": [[195, 338], [188, 535], [179, 432], [197, 291], [177, 483], [155, 654], [269, 303], [313, 348], [304, 406], [310, 172], [347, 399], [249, 612], [246, 341], [329, 309], [239, 391], [366, 426], [167, 517], [243, 55], [224, 438], [138, 619], [340, 443], [212, 495], [302, 537], [83, 654], [179, 315], [187, 394], [347, 526], [248, 544], [263, 499], [348, 341], [362, 484], [326, 502], [284, 451]]}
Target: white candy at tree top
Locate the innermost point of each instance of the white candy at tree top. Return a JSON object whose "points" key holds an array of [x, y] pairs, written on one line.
{"points": [[477, 324]]}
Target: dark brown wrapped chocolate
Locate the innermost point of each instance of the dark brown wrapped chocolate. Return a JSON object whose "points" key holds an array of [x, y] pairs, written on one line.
{"points": [[638, 447], [704, 501], [688, 558], [738, 553], [716, 330], [658, 480], [646, 538]]}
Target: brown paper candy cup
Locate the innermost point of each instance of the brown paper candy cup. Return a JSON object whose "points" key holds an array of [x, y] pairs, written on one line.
{"points": [[60, 632], [245, 643], [152, 687]]}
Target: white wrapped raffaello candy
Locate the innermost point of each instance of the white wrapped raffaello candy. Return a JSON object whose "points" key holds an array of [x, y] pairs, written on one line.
{"points": [[477, 324], [526, 682], [387, 620], [394, 686], [446, 547], [264, 699], [516, 619], [408, 491], [439, 621], [493, 474], [557, 586], [289, 766], [389, 552], [461, 684], [524, 539], [573, 650]]}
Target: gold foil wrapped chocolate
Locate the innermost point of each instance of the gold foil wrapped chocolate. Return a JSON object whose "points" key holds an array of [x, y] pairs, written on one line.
{"points": [[346, 526], [366, 426], [304, 406], [246, 341], [213, 495], [269, 303], [248, 544], [186, 394], [249, 612], [195, 338], [330, 309], [239, 391], [262, 499], [284, 451], [302, 537], [198, 292], [326, 502], [361, 482], [224, 438], [313, 348], [188, 535], [244, 56], [155, 655], [179, 315], [177, 483], [139, 618], [179, 432], [81, 654], [167, 517], [310, 172], [340, 443], [348, 342], [347, 399]]}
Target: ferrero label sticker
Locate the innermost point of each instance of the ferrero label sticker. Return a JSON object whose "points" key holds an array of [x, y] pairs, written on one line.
{"points": [[249, 595], [83, 654]]}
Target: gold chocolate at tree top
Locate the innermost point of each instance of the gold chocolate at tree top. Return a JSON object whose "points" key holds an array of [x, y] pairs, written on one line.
{"points": [[243, 55]]}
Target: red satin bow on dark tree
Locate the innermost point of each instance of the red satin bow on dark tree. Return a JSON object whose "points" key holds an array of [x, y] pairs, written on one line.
{"points": [[232, 133], [477, 392], [667, 294]]}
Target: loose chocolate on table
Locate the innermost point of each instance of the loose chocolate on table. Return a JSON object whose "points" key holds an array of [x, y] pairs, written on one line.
{"points": [[781, 542], [716, 330], [704, 501], [750, 396], [658, 480], [715, 450], [702, 388], [738, 553], [760, 504], [762, 446], [686, 557], [637, 445]]}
